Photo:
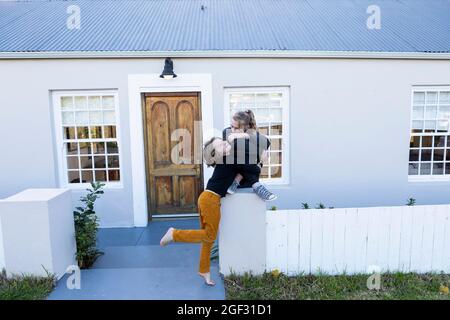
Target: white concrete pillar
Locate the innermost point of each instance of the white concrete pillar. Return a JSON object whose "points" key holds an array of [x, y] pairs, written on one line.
{"points": [[242, 233], [38, 232]]}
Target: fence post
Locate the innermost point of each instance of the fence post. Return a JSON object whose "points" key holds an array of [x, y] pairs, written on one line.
{"points": [[242, 233]]}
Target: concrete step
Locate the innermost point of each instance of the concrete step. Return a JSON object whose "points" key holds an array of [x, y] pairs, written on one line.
{"points": [[166, 283], [153, 256]]}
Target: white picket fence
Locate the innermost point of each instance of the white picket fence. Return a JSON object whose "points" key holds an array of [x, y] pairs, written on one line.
{"points": [[351, 240]]}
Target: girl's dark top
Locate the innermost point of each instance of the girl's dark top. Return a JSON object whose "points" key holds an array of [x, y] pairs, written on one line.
{"points": [[249, 164], [221, 179], [251, 154]]}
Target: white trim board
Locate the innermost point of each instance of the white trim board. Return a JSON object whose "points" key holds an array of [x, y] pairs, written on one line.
{"points": [[226, 54], [140, 83]]}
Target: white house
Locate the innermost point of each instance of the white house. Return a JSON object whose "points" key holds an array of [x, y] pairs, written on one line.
{"points": [[355, 96]]}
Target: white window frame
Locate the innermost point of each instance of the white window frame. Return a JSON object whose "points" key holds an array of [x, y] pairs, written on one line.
{"points": [[60, 151], [284, 180], [429, 177]]}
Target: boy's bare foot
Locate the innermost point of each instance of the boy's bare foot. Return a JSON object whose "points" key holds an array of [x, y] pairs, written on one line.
{"points": [[167, 238], [207, 277]]}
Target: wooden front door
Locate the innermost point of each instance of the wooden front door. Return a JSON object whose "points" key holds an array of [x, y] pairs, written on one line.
{"points": [[174, 169]]}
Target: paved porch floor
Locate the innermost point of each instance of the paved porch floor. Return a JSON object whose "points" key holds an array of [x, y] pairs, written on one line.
{"points": [[134, 266]]}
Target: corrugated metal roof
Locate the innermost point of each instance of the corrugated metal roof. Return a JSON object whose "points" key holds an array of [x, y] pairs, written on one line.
{"points": [[182, 25]]}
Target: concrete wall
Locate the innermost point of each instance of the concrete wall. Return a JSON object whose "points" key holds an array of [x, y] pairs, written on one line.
{"points": [[38, 232], [349, 124]]}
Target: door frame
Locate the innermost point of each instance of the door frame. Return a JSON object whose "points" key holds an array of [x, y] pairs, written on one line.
{"points": [[152, 83], [144, 95]]}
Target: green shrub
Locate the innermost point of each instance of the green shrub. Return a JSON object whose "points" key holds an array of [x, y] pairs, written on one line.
{"points": [[86, 226], [320, 206], [411, 202], [273, 208], [305, 205]]}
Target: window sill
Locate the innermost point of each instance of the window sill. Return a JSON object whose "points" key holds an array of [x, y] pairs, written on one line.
{"points": [[427, 179], [83, 186]]}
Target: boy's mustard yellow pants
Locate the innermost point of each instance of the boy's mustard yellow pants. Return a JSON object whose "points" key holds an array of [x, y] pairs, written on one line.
{"points": [[209, 213]]}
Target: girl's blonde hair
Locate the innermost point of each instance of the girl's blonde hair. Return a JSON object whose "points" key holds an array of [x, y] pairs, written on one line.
{"points": [[246, 119], [209, 153]]}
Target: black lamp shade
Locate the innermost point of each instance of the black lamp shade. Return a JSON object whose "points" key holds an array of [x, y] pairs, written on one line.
{"points": [[168, 69]]}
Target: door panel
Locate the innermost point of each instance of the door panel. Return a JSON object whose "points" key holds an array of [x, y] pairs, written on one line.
{"points": [[161, 131], [174, 180]]}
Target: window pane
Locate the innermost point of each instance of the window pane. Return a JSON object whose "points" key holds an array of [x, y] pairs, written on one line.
{"points": [[431, 97], [110, 132], [109, 117], [447, 168], [72, 162], [113, 175], [108, 102], [275, 144], [66, 102], [430, 112], [86, 162], [444, 97], [73, 176], [442, 126], [112, 147], [430, 126], [85, 148], [419, 98], [83, 132], [426, 155], [94, 102], [100, 175], [444, 112], [438, 155], [276, 130], [427, 142], [82, 118], [264, 130], [418, 112], [275, 158], [98, 147], [413, 155], [268, 115], [96, 132], [414, 142], [100, 162], [439, 141], [113, 161], [68, 118], [72, 148], [425, 168], [413, 169], [263, 100], [80, 103], [95, 117], [87, 176], [417, 126], [438, 168], [69, 133], [275, 172]]}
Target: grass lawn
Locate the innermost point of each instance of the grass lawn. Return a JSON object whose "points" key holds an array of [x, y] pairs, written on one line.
{"points": [[343, 287], [25, 287]]}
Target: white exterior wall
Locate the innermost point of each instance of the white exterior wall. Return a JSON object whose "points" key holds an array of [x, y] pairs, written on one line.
{"points": [[349, 124]]}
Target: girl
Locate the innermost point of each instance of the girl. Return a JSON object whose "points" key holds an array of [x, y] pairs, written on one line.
{"points": [[248, 160], [208, 205]]}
